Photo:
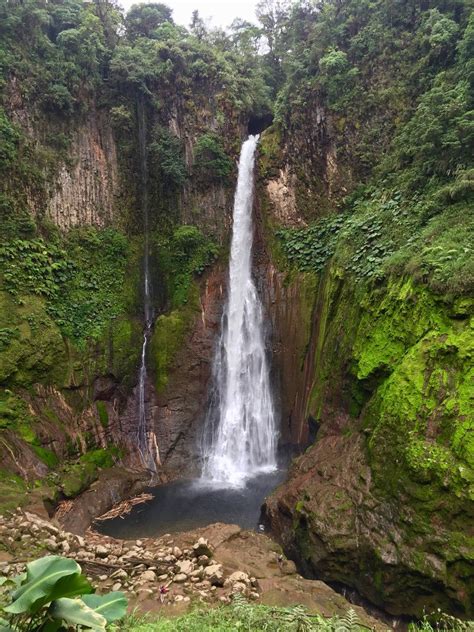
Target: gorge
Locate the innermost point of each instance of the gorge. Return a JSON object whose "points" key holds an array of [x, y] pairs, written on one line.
{"points": [[171, 316]]}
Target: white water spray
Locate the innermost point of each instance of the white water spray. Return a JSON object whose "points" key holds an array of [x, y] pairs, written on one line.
{"points": [[240, 436]]}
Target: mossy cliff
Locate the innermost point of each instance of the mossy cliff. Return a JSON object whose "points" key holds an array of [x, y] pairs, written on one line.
{"points": [[72, 217], [367, 185], [382, 500], [70, 349]]}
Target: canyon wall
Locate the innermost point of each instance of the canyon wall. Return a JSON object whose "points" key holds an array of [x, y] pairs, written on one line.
{"points": [[377, 376], [68, 402]]}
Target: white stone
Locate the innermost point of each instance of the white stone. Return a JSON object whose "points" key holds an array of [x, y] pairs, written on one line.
{"points": [[180, 577], [214, 574], [238, 576], [51, 544], [185, 566], [147, 576], [101, 551]]}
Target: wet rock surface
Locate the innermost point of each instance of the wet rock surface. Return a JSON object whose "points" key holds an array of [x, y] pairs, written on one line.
{"points": [[206, 566], [330, 517]]}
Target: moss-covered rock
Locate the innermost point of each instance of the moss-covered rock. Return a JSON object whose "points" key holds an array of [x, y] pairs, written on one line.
{"points": [[34, 350], [392, 375], [168, 336]]}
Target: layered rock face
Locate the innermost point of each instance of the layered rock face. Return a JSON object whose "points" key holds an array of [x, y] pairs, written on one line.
{"points": [[85, 191]]}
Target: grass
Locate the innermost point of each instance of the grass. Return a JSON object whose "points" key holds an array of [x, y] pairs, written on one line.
{"points": [[240, 615], [243, 616]]}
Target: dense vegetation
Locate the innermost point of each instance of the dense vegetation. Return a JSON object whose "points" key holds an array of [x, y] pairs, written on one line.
{"points": [[396, 82], [374, 121], [373, 104]]}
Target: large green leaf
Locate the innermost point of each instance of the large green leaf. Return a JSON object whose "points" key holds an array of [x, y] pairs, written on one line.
{"points": [[42, 576], [70, 586], [112, 606], [75, 612]]}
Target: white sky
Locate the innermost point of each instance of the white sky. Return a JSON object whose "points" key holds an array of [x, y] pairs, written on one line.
{"points": [[220, 12]]}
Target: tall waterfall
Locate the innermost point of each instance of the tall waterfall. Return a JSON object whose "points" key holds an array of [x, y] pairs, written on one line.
{"points": [[146, 440], [240, 432]]}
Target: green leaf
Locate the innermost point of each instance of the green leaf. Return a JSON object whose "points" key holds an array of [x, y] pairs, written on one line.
{"points": [[112, 606], [40, 586], [70, 586], [75, 612]]}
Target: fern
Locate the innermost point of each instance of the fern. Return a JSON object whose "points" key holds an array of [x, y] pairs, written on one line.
{"points": [[349, 622]]}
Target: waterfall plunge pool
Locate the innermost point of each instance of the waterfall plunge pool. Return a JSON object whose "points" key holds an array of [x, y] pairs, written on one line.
{"points": [[187, 505]]}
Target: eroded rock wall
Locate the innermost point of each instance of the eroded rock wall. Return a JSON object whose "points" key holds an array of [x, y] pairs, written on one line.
{"points": [[86, 188]]}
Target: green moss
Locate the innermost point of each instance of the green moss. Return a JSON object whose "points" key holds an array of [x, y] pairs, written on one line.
{"points": [[424, 413], [103, 457], [392, 322], [37, 352], [299, 506], [15, 415], [12, 491], [169, 335], [122, 345], [47, 456], [103, 414], [183, 256], [399, 359], [270, 153], [78, 477]]}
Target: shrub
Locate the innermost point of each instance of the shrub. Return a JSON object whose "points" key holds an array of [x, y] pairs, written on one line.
{"points": [[166, 154], [210, 160]]}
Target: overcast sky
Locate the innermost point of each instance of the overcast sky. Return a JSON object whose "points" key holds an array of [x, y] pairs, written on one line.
{"points": [[221, 12]]}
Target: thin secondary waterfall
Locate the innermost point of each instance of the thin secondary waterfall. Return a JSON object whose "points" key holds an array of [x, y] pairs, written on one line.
{"points": [[240, 435], [146, 440]]}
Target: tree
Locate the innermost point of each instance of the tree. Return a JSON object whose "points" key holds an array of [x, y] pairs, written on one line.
{"points": [[143, 19], [198, 26]]}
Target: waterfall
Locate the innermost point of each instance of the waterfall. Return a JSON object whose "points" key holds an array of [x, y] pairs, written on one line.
{"points": [[146, 440], [240, 431]]}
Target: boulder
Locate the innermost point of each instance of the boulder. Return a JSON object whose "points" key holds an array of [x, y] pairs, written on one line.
{"points": [[185, 566], [214, 574], [202, 547]]}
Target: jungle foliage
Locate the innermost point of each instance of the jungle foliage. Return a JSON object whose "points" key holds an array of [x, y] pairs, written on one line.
{"points": [[394, 83]]}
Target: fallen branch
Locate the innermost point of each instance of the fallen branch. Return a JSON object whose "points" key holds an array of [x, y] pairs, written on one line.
{"points": [[125, 507], [63, 509]]}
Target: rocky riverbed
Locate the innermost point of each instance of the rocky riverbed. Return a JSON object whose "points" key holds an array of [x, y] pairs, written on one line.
{"points": [[172, 572]]}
